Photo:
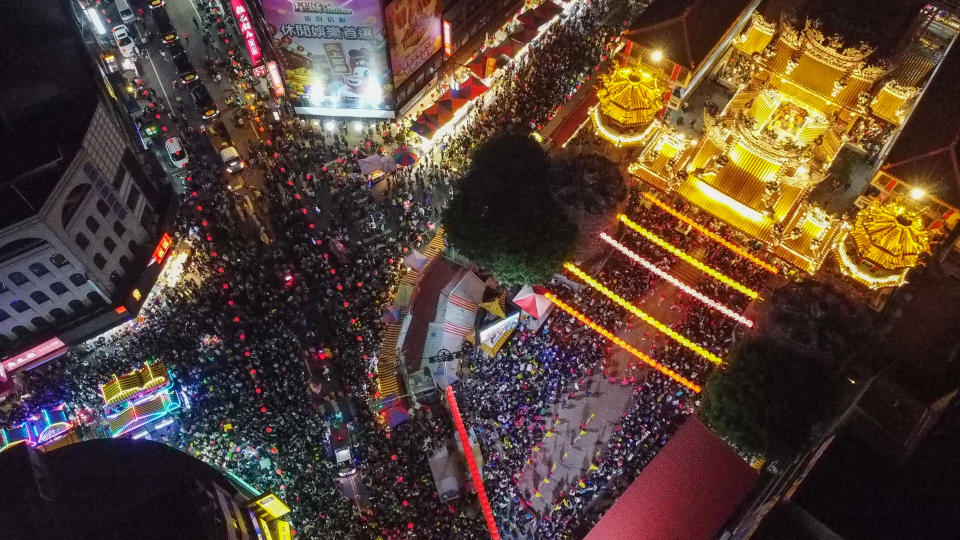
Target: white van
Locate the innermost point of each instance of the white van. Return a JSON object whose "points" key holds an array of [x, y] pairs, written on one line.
{"points": [[126, 14]]}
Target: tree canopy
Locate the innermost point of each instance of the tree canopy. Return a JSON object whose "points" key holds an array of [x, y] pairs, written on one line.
{"points": [[502, 216], [768, 399]]}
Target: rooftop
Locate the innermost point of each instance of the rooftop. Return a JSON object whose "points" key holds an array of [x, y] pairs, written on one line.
{"points": [[47, 97]]}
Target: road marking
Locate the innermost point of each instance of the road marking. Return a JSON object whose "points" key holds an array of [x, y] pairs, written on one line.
{"points": [[159, 80], [199, 18]]}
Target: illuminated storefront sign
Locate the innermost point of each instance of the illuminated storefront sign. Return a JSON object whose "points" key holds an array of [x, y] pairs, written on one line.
{"points": [[246, 30], [276, 82], [447, 45], [334, 56], [163, 247], [413, 27], [36, 354]]}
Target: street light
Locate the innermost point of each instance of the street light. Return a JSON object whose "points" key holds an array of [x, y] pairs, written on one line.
{"points": [[917, 193], [656, 56]]}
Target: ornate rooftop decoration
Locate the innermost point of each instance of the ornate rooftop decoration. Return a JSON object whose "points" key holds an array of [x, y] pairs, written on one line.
{"points": [[630, 98], [890, 236]]}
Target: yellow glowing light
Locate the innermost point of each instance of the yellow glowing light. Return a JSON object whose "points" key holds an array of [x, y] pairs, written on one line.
{"points": [[656, 56], [676, 282], [616, 138], [622, 344], [917, 193], [642, 315], [730, 202], [853, 271], [712, 235], [715, 274], [272, 505]]}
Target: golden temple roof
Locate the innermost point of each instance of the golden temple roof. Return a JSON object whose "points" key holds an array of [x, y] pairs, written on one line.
{"points": [[890, 236], [630, 97]]}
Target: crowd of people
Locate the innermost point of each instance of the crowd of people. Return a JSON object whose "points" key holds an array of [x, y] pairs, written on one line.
{"points": [[275, 344]]}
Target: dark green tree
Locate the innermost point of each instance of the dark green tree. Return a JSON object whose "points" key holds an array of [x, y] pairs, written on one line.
{"points": [[768, 399], [502, 216]]}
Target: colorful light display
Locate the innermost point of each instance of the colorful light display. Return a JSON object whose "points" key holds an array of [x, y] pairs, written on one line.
{"points": [[712, 235], [692, 386], [146, 379], [39, 429], [676, 282], [619, 300], [472, 464], [719, 276]]}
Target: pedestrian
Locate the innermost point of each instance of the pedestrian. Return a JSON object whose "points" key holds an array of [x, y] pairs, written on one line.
{"points": [[195, 23], [186, 38]]}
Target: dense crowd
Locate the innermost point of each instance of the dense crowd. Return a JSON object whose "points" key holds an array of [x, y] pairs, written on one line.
{"points": [[275, 344]]}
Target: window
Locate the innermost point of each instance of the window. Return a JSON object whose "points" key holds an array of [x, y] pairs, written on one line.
{"points": [[59, 260], [18, 279], [39, 297], [118, 177], [4, 315], [103, 207], [78, 279], [20, 305], [125, 264], [58, 288], [93, 224], [58, 314], [118, 228], [109, 244], [99, 261], [96, 298], [21, 331], [38, 269], [133, 197], [3, 288], [82, 240], [77, 306], [72, 203], [40, 323]]}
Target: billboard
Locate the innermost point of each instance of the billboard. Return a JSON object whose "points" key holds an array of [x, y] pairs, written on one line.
{"points": [[414, 29], [334, 55]]}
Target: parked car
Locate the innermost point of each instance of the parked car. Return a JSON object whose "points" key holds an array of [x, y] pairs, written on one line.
{"points": [[176, 152], [206, 104], [122, 36], [185, 69], [126, 14]]}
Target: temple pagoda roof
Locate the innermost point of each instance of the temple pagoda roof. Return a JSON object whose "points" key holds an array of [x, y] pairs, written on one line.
{"points": [[890, 236], [630, 97]]}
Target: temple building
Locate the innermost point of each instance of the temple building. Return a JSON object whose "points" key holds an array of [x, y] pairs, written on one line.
{"points": [[629, 102], [800, 95]]}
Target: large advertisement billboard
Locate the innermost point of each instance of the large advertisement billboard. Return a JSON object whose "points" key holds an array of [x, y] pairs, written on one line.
{"points": [[414, 29], [335, 56]]}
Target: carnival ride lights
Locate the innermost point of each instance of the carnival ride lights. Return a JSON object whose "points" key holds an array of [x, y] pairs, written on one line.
{"points": [[664, 370], [719, 276], [39, 429], [622, 302], [676, 282], [139, 381], [472, 465], [147, 410], [711, 235]]}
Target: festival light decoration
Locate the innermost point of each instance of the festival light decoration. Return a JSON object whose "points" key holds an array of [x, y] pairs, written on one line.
{"points": [[664, 370], [622, 302], [712, 235], [719, 276], [676, 282], [472, 464]]}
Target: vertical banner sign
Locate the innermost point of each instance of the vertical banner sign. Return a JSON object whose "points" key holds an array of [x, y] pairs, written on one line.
{"points": [[276, 82], [334, 56], [447, 45], [246, 30], [413, 27]]}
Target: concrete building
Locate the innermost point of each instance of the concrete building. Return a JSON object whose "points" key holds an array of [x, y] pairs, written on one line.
{"points": [[78, 215]]}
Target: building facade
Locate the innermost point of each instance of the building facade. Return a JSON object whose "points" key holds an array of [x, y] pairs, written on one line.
{"points": [[78, 215]]}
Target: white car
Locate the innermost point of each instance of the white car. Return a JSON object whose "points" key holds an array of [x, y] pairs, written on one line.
{"points": [[178, 155], [231, 159], [122, 36]]}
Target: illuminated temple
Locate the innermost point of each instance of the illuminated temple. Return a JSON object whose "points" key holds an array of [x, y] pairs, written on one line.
{"points": [[800, 96], [629, 102]]}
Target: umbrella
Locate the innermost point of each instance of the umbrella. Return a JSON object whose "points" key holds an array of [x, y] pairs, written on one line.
{"points": [[404, 156], [529, 300], [392, 314], [416, 260]]}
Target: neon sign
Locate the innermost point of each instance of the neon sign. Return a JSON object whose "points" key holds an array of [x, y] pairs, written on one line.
{"points": [[31, 356], [246, 30], [163, 247], [273, 72], [447, 46]]}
